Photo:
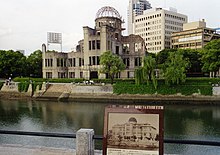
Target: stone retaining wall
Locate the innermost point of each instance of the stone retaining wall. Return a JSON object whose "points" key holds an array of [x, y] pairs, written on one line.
{"points": [[216, 90], [96, 93], [106, 89]]}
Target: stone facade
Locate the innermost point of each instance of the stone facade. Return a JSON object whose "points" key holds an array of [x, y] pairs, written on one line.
{"points": [[85, 61]]}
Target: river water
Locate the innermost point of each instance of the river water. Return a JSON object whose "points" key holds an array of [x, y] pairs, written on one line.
{"points": [[180, 122]]}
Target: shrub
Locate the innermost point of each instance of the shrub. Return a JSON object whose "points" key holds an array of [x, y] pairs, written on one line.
{"points": [[1, 84], [27, 79], [191, 86], [115, 80], [23, 86], [202, 81], [129, 88], [35, 84], [65, 80]]}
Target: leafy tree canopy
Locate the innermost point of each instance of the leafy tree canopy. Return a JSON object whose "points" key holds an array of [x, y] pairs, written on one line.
{"points": [[34, 64], [175, 68], [149, 64], [12, 63], [211, 56], [163, 55], [16, 64], [214, 44], [111, 64]]}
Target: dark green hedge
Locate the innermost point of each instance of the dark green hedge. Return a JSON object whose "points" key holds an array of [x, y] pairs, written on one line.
{"points": [[35, 84], [185, 89], [64, 80], [128, 88], [115, 80], [23, 86], [27, 79], [199, 85], [1, 84], [202, 81]]}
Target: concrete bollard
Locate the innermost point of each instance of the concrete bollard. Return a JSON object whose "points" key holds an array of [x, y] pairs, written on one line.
{"points": [[85, 142]]}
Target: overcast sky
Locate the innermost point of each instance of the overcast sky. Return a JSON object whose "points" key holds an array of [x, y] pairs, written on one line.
{"points": [[24, 23]]}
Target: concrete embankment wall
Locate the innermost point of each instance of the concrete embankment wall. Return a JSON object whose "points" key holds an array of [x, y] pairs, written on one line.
{"points": [[70, 91], [10, 91], [55, 91], [106, 89], [97, 93], [216, 91]]}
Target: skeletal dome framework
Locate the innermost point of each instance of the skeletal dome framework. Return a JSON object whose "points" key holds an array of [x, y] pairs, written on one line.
{"points": [[108, 11], [132, 120]]}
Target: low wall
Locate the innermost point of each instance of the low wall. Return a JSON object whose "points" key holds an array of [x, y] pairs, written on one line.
{"points": [[106, 89], [67, 91], [10, 91], [96, 93], [10, 87], [216, 90]]}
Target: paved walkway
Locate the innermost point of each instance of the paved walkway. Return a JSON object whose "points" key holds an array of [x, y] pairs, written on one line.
{"points": [[32, 150]]}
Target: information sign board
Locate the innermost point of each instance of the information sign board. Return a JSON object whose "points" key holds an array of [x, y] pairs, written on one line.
{"points": [[133, 130]]}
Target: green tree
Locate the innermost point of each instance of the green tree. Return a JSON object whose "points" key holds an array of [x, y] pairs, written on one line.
{"points": [[111, 64], [34, 63], [147, 72], [211, 56], [162, 56], [149, 66], [153, 55], [12, 64], [194, 58], [175, 68], [139, 78]]}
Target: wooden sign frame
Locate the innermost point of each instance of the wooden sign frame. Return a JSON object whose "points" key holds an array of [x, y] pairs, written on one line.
{"points": [[133, 130]]}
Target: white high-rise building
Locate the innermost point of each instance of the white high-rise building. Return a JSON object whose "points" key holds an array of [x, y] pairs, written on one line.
{"points": [[135, 8], [156, 25]]}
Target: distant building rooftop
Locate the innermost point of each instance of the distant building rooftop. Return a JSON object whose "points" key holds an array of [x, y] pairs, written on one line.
{"points": [[194, 25]]}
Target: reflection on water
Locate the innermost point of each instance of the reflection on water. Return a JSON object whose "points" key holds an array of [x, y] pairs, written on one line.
{"points": [[192, 122], [181, 122], [50, 116]]}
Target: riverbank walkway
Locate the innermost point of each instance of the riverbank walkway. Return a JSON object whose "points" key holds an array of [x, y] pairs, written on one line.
{"points": [[34, 150]]}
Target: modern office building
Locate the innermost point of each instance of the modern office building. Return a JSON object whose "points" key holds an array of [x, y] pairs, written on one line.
{"points": [[195, 35], [156, 25], [85, 61], [135, 8]]}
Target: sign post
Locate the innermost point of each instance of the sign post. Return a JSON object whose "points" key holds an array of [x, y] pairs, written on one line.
{"points": [[54, 38], [133, 130]]}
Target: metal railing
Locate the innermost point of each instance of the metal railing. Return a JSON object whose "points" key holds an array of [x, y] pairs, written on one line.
{"points": [[99, 137]]}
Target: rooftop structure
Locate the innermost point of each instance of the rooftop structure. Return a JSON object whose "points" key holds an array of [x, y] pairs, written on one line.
{"points": [[195, 35], [108, 12], [135, 8]]}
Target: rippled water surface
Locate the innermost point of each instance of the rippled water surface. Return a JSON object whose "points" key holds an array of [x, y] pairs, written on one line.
{"points": [[180, 122]]}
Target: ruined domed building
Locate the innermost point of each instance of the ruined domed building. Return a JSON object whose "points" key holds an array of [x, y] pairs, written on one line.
{"points": [[134, 134], [105, 36]]}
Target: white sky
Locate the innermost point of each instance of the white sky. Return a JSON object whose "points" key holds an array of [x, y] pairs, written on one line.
{"points": [[24, 23]]}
